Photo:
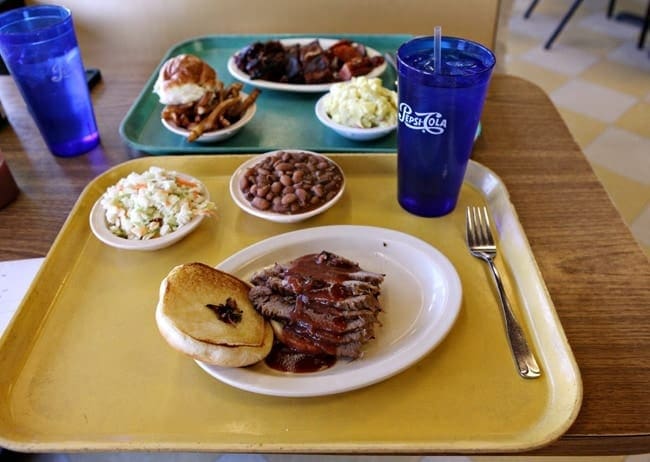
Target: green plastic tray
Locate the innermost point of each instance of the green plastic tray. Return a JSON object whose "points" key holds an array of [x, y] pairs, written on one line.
{"points": [[283, 120]]}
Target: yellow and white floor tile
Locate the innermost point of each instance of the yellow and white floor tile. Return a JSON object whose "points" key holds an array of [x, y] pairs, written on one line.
{"points": [[600, 82]]}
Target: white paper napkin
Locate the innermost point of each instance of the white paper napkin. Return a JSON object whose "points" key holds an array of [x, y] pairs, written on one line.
{"points": [[15, 278]]}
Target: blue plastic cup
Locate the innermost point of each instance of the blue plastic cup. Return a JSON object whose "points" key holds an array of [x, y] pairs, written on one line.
{"points": [[39, 47], [439, 113]]}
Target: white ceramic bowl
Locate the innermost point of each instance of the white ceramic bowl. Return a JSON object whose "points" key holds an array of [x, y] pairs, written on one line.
{"points": [[246, 206], [357, 134], [100, 229], [215, 135]]}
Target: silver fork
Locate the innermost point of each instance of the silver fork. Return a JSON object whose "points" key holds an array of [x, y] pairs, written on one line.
{"points": [[481, 245]]}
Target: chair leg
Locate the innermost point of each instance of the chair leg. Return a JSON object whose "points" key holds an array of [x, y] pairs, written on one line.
{"points": [[563, 22], [530, 9], [610, 8], [644, 28]]}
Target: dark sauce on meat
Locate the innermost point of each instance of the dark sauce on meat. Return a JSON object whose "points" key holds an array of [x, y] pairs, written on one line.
{"points": [[307, 274], [322, 306], [285, 359]]}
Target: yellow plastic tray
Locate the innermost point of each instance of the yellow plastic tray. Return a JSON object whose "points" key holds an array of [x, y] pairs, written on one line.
{"points": [[85, 369]]}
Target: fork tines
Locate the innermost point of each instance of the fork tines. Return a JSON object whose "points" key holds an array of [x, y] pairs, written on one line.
{"points": [[478, 227]]}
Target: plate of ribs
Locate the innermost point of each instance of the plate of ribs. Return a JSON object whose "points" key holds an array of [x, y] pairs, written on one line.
{"points": [[308, 65], [350, 306]]}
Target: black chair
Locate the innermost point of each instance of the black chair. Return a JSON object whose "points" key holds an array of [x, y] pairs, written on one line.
{"points": [[6, 5], [610, 12], [635, 19]]}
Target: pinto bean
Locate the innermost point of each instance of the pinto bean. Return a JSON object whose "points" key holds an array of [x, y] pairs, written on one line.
{"points": [[286, 180], [331, 186], [301, 194], [291, 182], [260, 203], [263, 190], [280, 208], [318, 190], [284, 166], [289, 199], [276, 187]]}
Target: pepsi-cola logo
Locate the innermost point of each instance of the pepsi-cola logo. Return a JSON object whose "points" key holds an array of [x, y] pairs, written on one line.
{"points": [[429, 122], [59, 71]]}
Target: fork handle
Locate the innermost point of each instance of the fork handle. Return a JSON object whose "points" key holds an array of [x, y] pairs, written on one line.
{"points": [[521, 352]]}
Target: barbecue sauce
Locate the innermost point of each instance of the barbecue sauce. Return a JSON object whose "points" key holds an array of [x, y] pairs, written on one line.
{"points": [[306, 276], [318, 280], [285, 359]]}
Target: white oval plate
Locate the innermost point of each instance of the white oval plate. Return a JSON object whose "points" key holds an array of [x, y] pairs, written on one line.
{"points": [[300, 88], [246, 206], [100, 228], [357, 134], [215, 135], [421, 298]]}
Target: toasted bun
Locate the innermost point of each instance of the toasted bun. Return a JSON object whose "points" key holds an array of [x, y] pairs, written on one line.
{"points": [[206, 314], [184, 79]]}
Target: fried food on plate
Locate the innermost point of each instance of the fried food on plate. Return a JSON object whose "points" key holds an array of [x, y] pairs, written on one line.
{"points": [[206, 314], [195, 98]]}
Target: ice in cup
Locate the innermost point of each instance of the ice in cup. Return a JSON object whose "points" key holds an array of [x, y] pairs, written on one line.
{"points": [[39, 47], [439, 112]]}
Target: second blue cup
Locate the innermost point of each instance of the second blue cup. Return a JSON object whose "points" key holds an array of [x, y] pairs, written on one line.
{"points": [[39, 47]]}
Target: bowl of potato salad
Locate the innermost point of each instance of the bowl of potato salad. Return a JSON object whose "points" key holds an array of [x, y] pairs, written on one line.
{"points": [[359, 109]]}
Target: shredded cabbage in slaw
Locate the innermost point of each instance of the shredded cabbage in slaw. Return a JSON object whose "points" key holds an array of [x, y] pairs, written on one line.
{"points": [[153, 204]]}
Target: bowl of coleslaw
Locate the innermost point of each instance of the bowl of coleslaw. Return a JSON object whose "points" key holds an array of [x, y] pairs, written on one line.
{"points": [[150, 210], [359, 109]]}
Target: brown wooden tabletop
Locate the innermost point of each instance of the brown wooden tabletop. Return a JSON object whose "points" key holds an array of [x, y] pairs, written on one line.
{"points": [[597, 276]]}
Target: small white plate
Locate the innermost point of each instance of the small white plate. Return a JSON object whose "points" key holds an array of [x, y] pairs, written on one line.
{"points": [[215, 135], [100, 229], [421, 298], [246, 206], [296, 87], [358, 134]]}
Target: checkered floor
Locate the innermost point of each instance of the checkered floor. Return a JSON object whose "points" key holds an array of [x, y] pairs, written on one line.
{"points": [[600, 82]]}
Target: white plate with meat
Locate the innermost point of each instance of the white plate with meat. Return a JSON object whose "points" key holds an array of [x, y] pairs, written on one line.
{"points": [[325, 43], [420, 296]]}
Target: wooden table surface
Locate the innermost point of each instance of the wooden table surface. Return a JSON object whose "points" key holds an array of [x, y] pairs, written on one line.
{"points": [[597, 276]]}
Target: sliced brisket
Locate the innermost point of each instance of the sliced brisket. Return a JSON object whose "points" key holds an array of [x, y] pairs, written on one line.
{"points": [[322, 303]]}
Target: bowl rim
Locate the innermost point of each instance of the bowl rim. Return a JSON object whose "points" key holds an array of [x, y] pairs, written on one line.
{"points": [[327, 121], [99, 227], [245, 205], [215, 134]]}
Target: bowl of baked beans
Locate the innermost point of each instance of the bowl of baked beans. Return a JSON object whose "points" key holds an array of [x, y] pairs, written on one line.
{"points": [[287, 185]]}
